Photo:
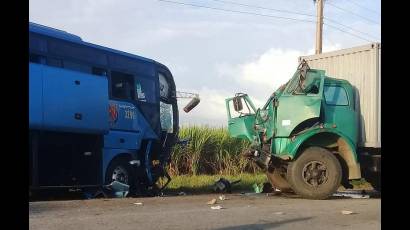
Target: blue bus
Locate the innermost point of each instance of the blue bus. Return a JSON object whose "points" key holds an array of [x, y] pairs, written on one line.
{"points": [[97, 115]]}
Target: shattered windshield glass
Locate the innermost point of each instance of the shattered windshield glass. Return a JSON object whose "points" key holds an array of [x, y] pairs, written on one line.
{"points": [[166, 117]]}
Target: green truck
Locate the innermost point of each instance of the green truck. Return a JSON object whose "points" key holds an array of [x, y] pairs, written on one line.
{"points": [[314, 134]]}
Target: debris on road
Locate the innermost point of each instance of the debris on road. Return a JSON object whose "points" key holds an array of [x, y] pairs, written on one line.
{"points": [[182, 194], [346, 212], [279, 213], [224, 185], [138, 203], [353, 194], [256, 188], [217, 207], [267, 188], [213, 201], [118, 189], [222, 197]]}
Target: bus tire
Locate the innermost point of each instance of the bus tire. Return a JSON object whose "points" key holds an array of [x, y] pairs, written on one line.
{"points": [[120, 170]]}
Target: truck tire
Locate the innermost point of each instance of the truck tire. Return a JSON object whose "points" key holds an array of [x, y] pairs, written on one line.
{"points": [[277, 180], [120, 170], [315, 174]]}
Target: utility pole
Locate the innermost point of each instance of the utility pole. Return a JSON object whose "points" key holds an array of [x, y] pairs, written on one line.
{"points": [[319, 26]]}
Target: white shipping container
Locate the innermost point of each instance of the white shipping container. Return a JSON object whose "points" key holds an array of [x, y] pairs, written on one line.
{"points": [[361, 67]]}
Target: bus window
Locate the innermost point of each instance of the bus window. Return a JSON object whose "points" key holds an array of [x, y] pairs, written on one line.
{"points": [[122, 85], [77, 67], [54, 62], [166, 117], [35, 58], [145, 90], [99, 71], [163, 86]]}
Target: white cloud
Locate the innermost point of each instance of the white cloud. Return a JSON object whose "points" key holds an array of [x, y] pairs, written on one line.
{"points": [[271, 69], [258, 77], [213, 53]]}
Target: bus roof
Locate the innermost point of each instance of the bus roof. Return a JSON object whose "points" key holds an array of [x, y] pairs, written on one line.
{"points": [[60, 34]]}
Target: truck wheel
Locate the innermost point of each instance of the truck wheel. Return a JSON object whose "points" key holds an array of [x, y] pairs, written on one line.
{"points": [[277, 180], [121, 171], [315, 174]]}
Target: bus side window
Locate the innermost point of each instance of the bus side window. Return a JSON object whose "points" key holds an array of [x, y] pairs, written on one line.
{"points": [[54, 62], [35, 58], [76, 66], [99, 71], [122, 85]]}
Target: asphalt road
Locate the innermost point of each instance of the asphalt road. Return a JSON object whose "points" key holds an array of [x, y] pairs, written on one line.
{"points": [[192, 212]]}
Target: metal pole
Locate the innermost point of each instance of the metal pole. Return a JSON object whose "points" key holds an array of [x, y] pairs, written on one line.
{"points": [[319, 26]]}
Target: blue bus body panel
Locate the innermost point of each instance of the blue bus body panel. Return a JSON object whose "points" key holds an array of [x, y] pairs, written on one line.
{"points": [[37, 28], [48, 31], [71, 101], [123, 140], [125, 116], [35, 97]]}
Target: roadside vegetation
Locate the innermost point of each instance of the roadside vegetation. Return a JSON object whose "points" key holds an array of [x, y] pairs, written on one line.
{"points": [[211, 154], [210, 151]]}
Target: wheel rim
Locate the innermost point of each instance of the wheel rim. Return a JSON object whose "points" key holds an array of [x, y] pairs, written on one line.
{"points": [[120, 174], [315, 173]]}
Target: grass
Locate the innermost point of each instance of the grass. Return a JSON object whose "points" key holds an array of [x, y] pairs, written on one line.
{"points": [[210, 154], [209, 151], [203, 183], [200, 184]]}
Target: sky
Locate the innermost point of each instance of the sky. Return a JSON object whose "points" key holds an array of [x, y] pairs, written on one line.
{"points": [[215, 53]]}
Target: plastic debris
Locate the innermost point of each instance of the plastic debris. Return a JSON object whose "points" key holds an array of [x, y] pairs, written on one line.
{"points": [[346, 212], [222, 197], [257, 188], [118, 189], [223, 185], [138, 203], [354, 195], [217, 207], [213, 201]]}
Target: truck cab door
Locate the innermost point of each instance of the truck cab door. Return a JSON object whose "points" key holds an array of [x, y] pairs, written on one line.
{"points": [[241, 121], [296, 107]]}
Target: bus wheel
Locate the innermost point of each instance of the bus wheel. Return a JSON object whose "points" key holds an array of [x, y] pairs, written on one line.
{"points": [[315, 174], [120, 170]]}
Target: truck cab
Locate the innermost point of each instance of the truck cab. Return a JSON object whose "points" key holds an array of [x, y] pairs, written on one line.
{"points": [[305, 136]]}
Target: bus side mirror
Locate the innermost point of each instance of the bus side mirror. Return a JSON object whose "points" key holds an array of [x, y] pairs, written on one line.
{"points": [[237, 104], [194, 102]]}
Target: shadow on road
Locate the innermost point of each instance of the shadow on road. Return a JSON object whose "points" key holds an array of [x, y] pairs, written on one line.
{"points": [[263, 226]]}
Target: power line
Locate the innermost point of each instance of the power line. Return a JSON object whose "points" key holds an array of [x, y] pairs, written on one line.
{"points": [[348, 11], [370, 10], [263, 15], [236, 11], [265, 8], [358, 31], [355, 35], [293, 12]]}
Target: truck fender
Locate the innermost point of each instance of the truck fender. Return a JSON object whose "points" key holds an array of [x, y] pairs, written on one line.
{"points": [[327, 137]]}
